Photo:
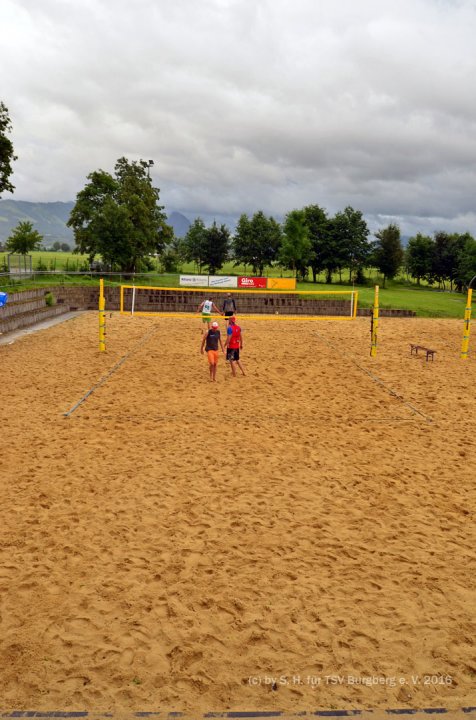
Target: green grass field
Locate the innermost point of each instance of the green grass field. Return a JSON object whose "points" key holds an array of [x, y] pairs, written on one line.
{"points": [[399, 293]]}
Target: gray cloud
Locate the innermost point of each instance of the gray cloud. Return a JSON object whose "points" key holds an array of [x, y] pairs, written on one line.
{"points": [[250, 104]]}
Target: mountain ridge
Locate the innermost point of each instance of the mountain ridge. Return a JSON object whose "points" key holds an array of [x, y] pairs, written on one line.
{"points": [[50, 218]]}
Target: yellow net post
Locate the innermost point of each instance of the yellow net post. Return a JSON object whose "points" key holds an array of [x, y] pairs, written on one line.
{"points": [[467, 326], [102, 317], [374, 327]]}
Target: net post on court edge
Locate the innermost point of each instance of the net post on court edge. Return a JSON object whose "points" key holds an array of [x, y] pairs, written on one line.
{"points": [[374, 325], [467, 326], [102, 317]]}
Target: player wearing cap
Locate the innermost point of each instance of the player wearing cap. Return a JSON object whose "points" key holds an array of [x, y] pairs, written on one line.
{"points": [[234, 343], [210, 345]]}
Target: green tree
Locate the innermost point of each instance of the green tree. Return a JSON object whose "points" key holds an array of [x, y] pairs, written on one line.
{"points": [[257, 241], [118, 217], [296, 246], [242, 243], [7, 155], [24, 239], [171, 256], [318, 227], [447, 250], [418, 256], [194, 244], [466, 269], [388, 251], [65, 247], [351, 235], [456, 251], [217, 247]]}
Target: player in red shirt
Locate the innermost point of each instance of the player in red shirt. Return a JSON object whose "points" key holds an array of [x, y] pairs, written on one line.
{"points": [[233, 344]]}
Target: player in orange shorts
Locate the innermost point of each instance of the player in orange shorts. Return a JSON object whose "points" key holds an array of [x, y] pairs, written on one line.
{"points": [[210, 345]]}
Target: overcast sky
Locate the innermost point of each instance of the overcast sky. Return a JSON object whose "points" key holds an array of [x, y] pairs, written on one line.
{"points": [[250, 104]]}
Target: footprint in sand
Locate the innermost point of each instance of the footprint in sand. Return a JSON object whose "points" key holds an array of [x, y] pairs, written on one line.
{"points": [[79, 625], [74, 683], [105, 655], [127, 657]]}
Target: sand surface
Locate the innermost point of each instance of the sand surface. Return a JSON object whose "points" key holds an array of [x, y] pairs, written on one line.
{"points": [[298, 539]]}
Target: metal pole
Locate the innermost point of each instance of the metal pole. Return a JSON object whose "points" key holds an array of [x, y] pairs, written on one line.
{"points": [[373, 346], [102, 317]]}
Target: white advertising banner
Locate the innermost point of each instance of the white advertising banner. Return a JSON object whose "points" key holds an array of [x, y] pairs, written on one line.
{"points": [[228, 281], [193, 280]]}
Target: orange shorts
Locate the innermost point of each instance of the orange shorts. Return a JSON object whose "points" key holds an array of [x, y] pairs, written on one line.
{"points": [[212, 357]]}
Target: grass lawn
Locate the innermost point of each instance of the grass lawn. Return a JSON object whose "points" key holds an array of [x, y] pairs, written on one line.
{"points": [[52, 261]]}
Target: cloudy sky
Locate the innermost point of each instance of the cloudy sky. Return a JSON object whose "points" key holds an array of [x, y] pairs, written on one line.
{"points": [[250, 104]]}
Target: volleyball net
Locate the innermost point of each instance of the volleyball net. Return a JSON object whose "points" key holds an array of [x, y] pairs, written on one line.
{"points": [[145, 300]]}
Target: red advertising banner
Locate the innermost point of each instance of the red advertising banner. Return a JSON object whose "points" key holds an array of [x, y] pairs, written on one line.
{"points": [[251, 282]]}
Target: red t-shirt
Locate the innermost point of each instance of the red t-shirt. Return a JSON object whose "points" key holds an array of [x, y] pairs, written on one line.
{"points": [[235, 336]]}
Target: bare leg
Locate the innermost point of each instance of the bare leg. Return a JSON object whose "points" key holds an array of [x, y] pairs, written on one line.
{"points": [[214, 372], [240, 366], [211, 372], [232, 365]]}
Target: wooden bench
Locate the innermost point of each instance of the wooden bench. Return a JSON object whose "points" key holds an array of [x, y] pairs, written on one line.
{"points": [[416, 348]]}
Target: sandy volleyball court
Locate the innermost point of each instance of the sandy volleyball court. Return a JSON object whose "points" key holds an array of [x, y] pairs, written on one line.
{"points": [[298, 539]]}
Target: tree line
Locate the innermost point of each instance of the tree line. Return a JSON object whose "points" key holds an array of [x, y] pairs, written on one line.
{"points": [[117, 216], [309, 242]]}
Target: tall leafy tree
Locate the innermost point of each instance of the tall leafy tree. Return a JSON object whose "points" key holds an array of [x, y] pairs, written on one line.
{"points": [[217, 247], [455, 253], [296, 245], [119, 217], [318, 227], [351, 235], [242, 242], [388, 251], [194, 244], [266, 241], [446, 250], [171, 256], [7, 155], [419, 255], [338, 242], [23, 239], [466, 269], [257, 241]]}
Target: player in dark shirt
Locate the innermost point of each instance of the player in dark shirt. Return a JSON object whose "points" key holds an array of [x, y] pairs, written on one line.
{"points": [[210, 346], [229, 306]]}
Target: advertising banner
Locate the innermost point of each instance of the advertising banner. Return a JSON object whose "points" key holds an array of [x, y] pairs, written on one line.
{"points": [[193, 280], [281, 283], [227, 281], [252, 282]]}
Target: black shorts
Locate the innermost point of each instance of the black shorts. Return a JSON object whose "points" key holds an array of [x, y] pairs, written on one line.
{"points": [[229, 314], [233, 354]]}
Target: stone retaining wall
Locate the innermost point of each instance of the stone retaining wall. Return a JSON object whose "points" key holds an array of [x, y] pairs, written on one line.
{"points": [[28, 308]]}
